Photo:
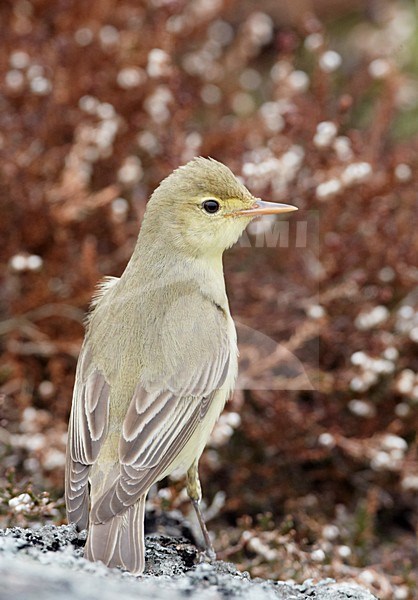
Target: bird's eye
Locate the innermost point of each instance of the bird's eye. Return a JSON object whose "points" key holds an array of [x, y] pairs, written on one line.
{"points": [[210, 206]]}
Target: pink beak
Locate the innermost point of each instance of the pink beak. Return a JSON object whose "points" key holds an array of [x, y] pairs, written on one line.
{"points": [[265, 208]]}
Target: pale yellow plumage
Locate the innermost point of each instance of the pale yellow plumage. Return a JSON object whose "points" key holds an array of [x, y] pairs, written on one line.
{"points": [[158, 362]]}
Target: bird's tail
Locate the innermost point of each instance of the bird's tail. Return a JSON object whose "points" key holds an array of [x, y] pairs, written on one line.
{"points": [[120, 541]]}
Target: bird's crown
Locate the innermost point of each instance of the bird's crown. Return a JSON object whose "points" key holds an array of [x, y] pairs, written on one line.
{"points": [[203, 176]]}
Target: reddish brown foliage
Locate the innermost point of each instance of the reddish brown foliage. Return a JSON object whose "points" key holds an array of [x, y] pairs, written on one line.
{"points": [[99, 102]]}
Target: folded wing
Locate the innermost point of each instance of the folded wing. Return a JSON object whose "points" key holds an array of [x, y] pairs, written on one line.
{"points": [[87, 430], [159, 423]]}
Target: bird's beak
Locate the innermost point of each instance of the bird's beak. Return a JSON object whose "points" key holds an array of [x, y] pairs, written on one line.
{"points": [[265, 208]]}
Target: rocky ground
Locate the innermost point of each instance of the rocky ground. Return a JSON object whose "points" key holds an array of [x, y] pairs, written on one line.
{"points": [[48, 563]]}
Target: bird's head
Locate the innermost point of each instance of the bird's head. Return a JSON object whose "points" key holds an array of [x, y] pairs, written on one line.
{"points": [[203, 208]]}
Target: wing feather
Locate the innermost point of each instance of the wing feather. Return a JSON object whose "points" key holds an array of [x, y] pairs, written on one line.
{"points": [[135, 479], [87, 430], [159, 423]]}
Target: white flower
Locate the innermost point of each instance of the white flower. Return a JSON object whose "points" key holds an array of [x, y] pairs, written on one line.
{"points": [[329, 188], [361, 408], [372, 318], [391, 441], [34, 262], [406, 382], [381, 461], [53, 459], [149, 142], [403, 172], [330, 532], [105, 110], [131, 171], [109, 35], [413, 334], [330, 61], [315, 311], [88, 104], [120, 207], [313, 41], [318, 555], [157, 104], [35, 71], [19, 59], [243, 103], [359, 358], [298, 81], [20, 503], [260, 27], [272, 117], [159, 63], [83, 36], [402, 410], [379, 68], [41, 86], [130, 77], [221, 32], [410, 483], [342, 147], [14, 79], [325, 134], [386, 274], [250, 79], [356, 173], [211, 94], [344, 551], [406, 311], [327, 440]]}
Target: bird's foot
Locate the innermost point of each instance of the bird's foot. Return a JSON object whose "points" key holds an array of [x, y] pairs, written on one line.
{"points": [[207, 556]]}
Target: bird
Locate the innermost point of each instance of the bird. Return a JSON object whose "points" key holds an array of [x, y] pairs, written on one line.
{"points": [[158, 362]]}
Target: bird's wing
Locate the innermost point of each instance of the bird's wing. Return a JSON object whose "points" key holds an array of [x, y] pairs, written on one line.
{"points": [[86, 432], [88, 424], [160, 422]]}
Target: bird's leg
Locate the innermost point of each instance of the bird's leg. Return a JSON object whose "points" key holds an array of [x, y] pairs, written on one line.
{"points": [[194, 491]]}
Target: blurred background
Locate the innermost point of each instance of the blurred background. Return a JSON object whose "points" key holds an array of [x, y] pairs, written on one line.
{"points": [[312, 472]]}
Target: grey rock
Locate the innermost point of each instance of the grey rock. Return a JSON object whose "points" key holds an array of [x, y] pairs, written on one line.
{"points": [[47, 563]]}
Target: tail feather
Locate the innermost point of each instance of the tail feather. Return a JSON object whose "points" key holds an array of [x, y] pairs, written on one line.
{"points": [[120, 541]]}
